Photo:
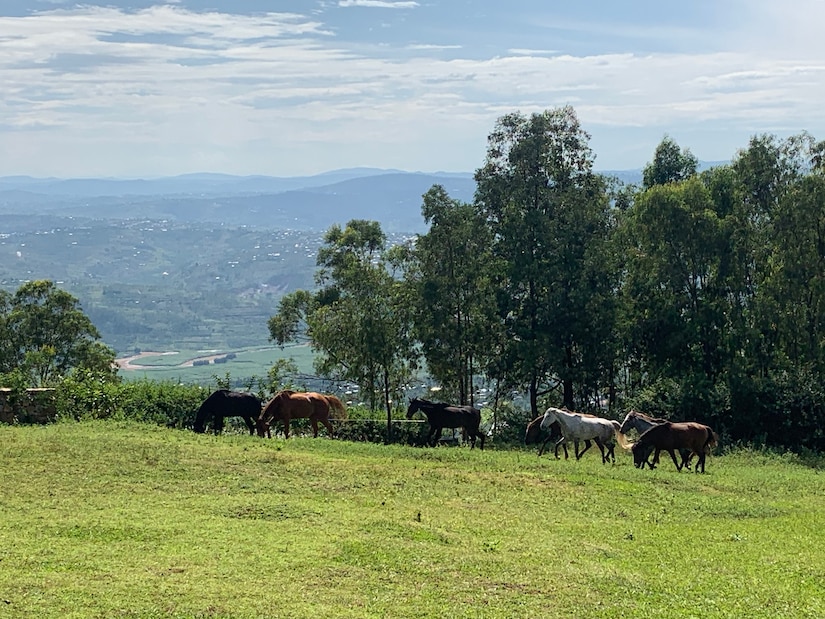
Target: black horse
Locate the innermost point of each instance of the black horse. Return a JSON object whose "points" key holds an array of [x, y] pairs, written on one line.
{"points": [[225, 403], [442, 416]]}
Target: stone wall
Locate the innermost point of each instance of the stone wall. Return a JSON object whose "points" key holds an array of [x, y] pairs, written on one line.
{"points": [[32, 406]]}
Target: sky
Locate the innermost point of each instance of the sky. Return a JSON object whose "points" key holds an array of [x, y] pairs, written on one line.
{"points": [[151, 88]]}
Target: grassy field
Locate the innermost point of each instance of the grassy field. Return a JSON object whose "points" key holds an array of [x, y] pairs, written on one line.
{"points": [[105, 519]]}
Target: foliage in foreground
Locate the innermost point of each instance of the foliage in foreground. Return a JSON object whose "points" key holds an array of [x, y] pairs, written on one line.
{"points": [[112, 519]]}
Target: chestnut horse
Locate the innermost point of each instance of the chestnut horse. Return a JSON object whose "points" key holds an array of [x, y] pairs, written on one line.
{"points": [[287, 405], [669, 436], [224, 403]]}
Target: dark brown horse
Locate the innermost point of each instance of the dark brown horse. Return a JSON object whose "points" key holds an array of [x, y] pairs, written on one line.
{"points": [[440, 416], [287, 405], [534, 432], [226, 403], [669, 437]]}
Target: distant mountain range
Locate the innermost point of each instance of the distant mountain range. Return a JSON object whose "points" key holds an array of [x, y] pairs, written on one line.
{"points": [[392, 197]]}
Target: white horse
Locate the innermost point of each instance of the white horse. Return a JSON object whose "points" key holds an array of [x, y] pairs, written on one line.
{"points": [[578, 427]]}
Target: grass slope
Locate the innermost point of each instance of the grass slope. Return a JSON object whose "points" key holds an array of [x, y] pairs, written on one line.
{"points": [[101, 519]]}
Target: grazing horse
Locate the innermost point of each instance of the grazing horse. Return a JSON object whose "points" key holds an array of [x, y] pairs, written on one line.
{"points": [[640, 422], [668, 436], [578, 427], [440, 416], [226, 403], [287, 405]]}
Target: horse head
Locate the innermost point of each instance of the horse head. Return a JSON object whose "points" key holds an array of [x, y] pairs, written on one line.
{"points": [[262, 428], [641, 452], [549, 418], [415, 405], [531, 435], [629, 422]]}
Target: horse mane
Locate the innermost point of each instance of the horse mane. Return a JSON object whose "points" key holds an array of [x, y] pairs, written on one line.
{"points": [[649, 418], [424, 401]]}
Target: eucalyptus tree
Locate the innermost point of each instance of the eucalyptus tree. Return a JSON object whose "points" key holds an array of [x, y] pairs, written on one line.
{"points": [[358, 320], [670, 164], [46, 335], [454, 305], [792, 293], [549, 215], [672, 281]]}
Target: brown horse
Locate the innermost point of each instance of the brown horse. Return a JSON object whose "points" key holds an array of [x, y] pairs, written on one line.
{"points": [[534, 432], [287, 405], [669, 436]]}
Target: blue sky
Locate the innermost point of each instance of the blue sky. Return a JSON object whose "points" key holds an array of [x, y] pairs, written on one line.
{"points": [[146, 88]]}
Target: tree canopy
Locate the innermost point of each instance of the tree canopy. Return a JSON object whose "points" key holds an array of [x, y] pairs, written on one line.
{"points": [[695, 296], [44, 335]]}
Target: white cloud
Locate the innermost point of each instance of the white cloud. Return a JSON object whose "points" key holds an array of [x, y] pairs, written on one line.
{"points": [[380, 4], [93, 90]]}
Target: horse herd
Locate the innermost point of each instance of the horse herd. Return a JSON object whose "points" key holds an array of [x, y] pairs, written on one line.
{"points": [[285, 406], [655, 435]]}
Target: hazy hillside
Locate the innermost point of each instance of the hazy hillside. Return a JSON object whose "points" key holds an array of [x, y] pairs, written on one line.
{"points": [[201, 260], [306, 203]]}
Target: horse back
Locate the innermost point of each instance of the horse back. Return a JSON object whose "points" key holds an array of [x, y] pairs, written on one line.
{"points": [[678, 435], [454, 416]]}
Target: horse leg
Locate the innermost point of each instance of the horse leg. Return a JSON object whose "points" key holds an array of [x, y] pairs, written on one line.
{"points": [[652, 465], [286, 427], [250, 423], [434, 435], [600, 445], [328, 426], [586, 447], [611, 453], [562, 441], [543, 445], [675, 461], [700, 462], [218, 423]]}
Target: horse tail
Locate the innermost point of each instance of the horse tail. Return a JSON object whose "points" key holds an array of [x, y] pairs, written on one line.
{"points": [[621, 438], [711, 441], [337, 407], [623, 442]]}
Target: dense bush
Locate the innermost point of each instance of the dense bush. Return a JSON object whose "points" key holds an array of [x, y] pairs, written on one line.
{"points": [[89, 395]]}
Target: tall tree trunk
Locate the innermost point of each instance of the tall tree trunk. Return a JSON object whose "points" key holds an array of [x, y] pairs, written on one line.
{"points": [[388, 404]]}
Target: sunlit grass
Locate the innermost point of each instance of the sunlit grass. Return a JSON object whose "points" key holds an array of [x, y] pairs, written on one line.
{"points": [[121, 520]]}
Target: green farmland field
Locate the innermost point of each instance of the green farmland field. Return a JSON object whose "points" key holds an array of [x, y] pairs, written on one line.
{"points": [[253, 362], [109, 519]]}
